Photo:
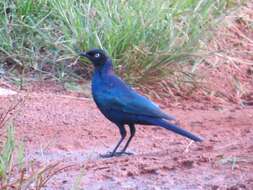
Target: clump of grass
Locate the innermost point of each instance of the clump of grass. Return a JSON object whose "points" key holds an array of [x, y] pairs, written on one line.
{"points": [[143, 37]]}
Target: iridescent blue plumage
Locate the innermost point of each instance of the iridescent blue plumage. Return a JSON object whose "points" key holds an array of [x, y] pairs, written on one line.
{"points": [[123, 105]]}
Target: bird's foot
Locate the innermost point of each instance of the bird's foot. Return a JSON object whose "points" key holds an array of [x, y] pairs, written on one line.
{"points": [[116, 154], [107, 155], [126, 153]]}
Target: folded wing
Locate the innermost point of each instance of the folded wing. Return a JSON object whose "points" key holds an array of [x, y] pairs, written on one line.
{"points": [[123, 98]]}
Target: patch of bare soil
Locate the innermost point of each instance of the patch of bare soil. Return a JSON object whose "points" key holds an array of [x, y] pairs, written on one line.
{"points": [[64, 127]]}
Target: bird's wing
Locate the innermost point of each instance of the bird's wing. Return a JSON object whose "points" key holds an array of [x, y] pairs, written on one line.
{"points": [[123, 98]]}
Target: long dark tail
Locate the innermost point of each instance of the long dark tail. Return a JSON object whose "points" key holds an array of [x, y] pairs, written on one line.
{"points": [[176, 129]]}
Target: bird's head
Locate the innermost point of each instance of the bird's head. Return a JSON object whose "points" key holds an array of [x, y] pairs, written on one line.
{"points": [[97, 56]]}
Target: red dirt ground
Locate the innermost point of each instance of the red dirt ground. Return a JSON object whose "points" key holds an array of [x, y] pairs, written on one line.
{"points": [[60, 126]]}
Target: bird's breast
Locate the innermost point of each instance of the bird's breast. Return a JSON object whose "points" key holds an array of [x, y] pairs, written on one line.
{"points": [[100, 88]]}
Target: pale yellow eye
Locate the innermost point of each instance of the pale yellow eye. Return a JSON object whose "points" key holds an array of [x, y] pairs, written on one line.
{"points": [[97, 55]]}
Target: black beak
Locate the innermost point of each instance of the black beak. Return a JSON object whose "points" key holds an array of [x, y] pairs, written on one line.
{"points": [[83, 54]]}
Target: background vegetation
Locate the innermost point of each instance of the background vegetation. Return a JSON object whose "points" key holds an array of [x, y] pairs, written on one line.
{"points": [[143, 37]]}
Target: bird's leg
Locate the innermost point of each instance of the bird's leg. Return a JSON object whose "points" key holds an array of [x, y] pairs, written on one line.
{"points": [[123, 135], [132, 133]]}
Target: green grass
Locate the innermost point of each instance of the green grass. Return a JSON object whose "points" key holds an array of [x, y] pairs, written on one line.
{"points": [[143, 37]]}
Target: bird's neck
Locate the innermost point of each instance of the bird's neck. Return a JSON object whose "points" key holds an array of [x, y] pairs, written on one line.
{"points": [[106, 68]]}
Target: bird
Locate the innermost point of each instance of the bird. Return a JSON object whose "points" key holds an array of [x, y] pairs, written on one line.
{"points": [[123, 105]]}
